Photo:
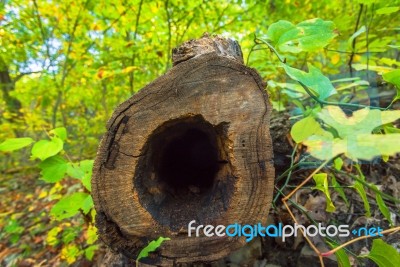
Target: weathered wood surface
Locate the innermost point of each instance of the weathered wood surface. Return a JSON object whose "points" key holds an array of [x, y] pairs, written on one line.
{"points": [[192, 145]]}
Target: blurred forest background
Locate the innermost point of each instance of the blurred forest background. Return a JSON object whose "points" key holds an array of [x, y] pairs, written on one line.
{"points": [[66, 65]]}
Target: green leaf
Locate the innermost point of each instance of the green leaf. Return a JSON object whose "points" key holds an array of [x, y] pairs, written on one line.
{"points": [[60, 133], [44, 149], [360, 189], [151, 247], [68, 206], [89, 251], [393, 77], [74, 171], [314, 79], [321, 181], [383, 254], [87, 167], [355, 35], [304, 128], [87, 204], [362, 146], [341, 256], [15, 143], [53, 169], [308, 35], [381, 204], [52, 236], [387, 10], [338, 163], [338, 188], [91, 235], [356, 140], [361, 122]]}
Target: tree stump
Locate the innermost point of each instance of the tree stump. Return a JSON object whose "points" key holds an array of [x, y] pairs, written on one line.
{"points": [[192, 145]]}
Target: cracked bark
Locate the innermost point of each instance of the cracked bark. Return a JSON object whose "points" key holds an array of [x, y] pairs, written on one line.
{"points": [[203, 150]]}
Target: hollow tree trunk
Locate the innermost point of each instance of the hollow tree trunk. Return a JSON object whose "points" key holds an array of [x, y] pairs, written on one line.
{"points": [[192, 145]]}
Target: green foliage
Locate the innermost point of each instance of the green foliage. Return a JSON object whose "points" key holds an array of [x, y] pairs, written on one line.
{"points": [[353, 134], [151, 247], [15, 143], [341, 256], [393, 77], [338, 188], [55, 165], [321, 183], [44, 149], [383, 255], [382, 206], [308, 35], [314, 79], [53, 169], [69, 205]]}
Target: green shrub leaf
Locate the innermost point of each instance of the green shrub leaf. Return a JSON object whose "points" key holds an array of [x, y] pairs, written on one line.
{"points": [[383, 254], [321, 181], [60, 133], [53, 169], [361, 191], [304, 128], [314, 79], [44, 149], [308, 35], [15, 143], [151, 247], [69, 205], [381, 205]]}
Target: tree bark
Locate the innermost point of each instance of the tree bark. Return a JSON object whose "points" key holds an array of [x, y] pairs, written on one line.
{"points": [[192, 145]]}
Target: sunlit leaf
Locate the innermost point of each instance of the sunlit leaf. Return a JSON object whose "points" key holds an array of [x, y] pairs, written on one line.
{"points": [[381, 205], [314, 79], [15, 143], [393, 77], [60, 133], [87, 204], [151, 247], [53, 169], [355, 35], [387, 10], [341, 256], [338, 163], [321, 181], [362, 121], [308, 35], [69, 205], [304, 128], [89, 251], [338, 188], [44, 149], [361, 191], [383, 254], [70, 253]]}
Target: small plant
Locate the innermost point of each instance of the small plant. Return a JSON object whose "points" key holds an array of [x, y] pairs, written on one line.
{"points": [[58, 169]]}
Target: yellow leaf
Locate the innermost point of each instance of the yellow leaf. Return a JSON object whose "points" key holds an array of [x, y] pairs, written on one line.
{"points": [[335, 59], [129, 69]]}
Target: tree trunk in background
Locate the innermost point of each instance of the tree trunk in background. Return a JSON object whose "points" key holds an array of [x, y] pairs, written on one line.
{"points": [[7, 86], [192, 145]]}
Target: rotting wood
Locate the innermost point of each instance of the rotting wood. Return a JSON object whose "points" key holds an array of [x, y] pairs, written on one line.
{"points": [[192, 145]]}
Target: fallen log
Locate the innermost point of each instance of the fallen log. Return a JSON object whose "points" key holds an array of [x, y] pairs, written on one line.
{"points": [[192, 145]]}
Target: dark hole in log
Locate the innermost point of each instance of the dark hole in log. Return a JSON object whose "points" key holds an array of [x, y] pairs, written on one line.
{"points": [[189, 161], [185, 172]]}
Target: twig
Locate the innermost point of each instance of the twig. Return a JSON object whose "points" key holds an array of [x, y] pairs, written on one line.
{"points": [[353, 45]]}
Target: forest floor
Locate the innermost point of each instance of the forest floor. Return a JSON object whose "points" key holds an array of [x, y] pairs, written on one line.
{"points": [[25, 222]]}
